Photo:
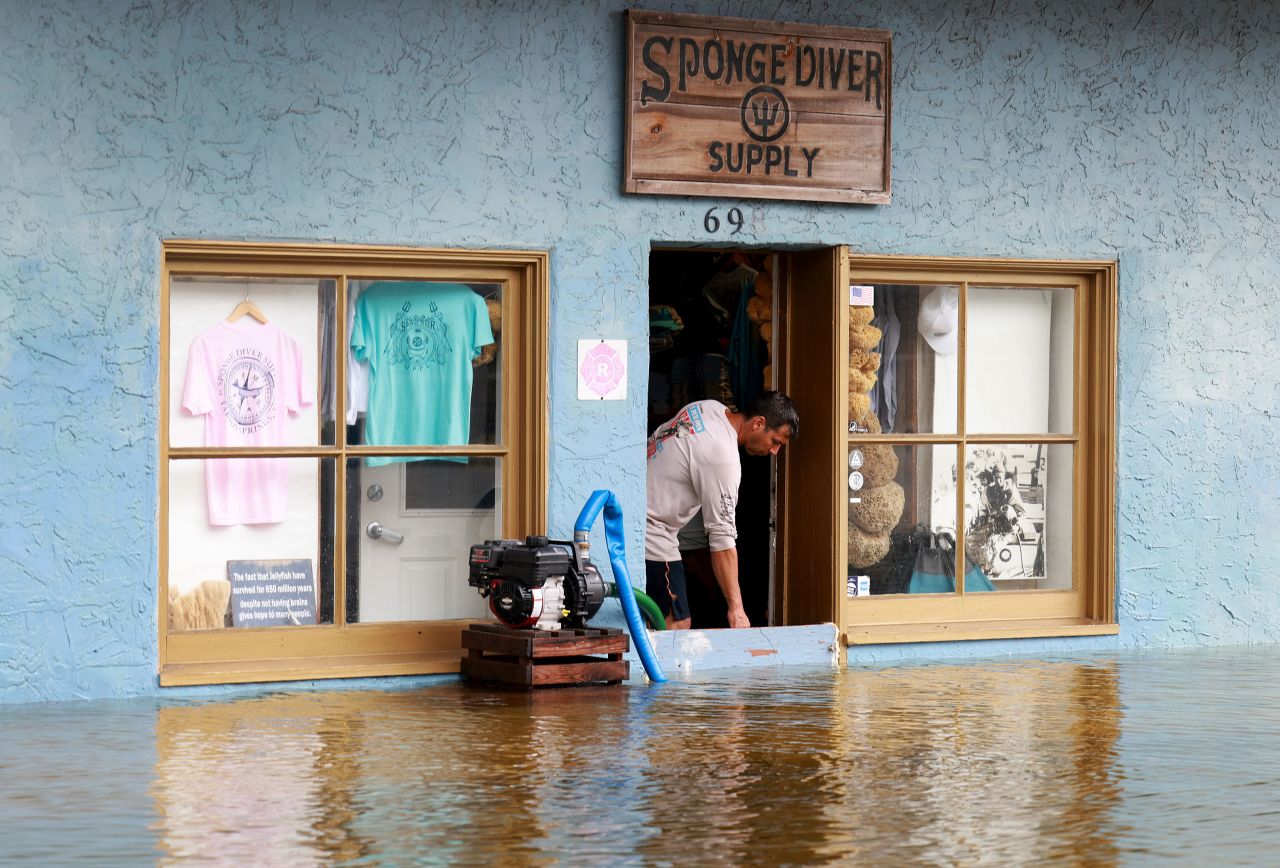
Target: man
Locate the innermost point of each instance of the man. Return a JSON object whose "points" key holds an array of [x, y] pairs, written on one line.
{"points": [[694, 466]]}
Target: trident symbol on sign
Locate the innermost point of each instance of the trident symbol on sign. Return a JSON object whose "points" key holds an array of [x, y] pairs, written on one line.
{"points": [[765, 113]]}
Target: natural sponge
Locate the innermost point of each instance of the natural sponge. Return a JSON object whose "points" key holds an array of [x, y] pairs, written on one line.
{"points": [[866, 423], [865, 361], [204, 607], [878, 509], [864, 337], [860, 316], [860, 381], [865, 548], [859, 404], [879, 463]]}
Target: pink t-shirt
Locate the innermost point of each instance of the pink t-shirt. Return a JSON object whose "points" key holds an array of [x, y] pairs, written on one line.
{"points": [[245, 378]]}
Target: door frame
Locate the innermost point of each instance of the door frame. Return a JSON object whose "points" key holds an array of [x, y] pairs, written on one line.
{"points": [[811, 541], [803, 588]]}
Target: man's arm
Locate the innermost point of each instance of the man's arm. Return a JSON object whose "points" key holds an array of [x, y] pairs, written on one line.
{"points": [[725, 565], [716, 484]]}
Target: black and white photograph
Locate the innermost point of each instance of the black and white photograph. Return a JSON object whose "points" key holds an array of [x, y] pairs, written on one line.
{"points": [[1005, 510]]}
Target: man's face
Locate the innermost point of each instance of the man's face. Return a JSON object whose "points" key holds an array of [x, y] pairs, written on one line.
{"points": [[761, 440]]}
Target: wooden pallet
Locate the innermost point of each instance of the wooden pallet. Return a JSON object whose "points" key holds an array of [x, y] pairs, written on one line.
{"points": [[540, 658]]}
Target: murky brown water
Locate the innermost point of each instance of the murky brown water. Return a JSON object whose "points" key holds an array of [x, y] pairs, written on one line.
{"points": [[1124, 760]]}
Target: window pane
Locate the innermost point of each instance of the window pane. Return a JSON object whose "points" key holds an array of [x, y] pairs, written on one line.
{"points": [[236, 380], [1019, 352], [902, 519], [250, 542], [902, 359], [411, 527], [424, 363], [1018, 514]]}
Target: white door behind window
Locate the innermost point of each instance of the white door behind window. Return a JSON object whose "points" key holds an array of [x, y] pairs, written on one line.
{"points": [[423, 576]]}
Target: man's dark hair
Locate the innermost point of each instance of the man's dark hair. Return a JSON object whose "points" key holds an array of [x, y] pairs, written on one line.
{"points": [[777, 410]]}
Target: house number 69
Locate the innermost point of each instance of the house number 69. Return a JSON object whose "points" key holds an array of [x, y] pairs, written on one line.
{"points": [[711, 222]]}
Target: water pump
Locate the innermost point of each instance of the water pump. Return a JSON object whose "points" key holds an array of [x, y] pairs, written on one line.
{"points": [[539, 583]]}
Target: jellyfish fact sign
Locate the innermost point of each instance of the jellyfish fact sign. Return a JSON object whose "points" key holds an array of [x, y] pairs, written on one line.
{"points": [[602, 370]]}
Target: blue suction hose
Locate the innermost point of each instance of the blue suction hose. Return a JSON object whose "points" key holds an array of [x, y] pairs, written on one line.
{"points": [[613, 532]]}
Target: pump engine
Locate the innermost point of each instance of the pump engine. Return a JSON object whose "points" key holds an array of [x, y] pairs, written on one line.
{"points": [[538, 583]]}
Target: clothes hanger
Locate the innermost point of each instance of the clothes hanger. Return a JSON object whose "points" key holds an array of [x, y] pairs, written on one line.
{"points": [[247, 307]]}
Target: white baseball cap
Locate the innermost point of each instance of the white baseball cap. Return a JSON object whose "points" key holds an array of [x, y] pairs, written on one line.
{"points": [[939, 319]]}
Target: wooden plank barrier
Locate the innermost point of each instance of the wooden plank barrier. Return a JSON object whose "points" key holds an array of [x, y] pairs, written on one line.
{"points": [[543, 658]]}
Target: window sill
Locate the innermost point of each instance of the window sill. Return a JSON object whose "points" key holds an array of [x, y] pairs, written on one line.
{"points": [[310, 668], [967, 631]]}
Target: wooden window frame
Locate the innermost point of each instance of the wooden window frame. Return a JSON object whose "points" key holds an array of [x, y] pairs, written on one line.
{"points": [[340, 649], [1088, 608]]}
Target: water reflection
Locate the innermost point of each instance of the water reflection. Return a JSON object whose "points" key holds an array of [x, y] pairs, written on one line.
{"points": [[741, 773], [1081, 762], [953, 764], [456, 772], [941, 764], [240, 777]]}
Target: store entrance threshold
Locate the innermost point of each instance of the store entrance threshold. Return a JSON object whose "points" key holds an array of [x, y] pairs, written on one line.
{"points": [[686, 653]]}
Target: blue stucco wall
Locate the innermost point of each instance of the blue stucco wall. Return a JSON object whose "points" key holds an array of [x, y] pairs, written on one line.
{"points": [[1143, 132]]}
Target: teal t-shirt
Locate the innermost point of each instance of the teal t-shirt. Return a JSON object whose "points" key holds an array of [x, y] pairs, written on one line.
{"points": [[419, 340]]}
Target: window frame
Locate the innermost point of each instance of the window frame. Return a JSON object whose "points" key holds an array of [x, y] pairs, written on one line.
{"points": [[1088, 608], [341, 649]]}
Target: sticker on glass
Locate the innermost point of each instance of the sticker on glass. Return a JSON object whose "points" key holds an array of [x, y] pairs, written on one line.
{"points": [[862, 296]]}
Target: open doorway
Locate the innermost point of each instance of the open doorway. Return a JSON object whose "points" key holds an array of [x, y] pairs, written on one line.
{"points": [[711, 337]]}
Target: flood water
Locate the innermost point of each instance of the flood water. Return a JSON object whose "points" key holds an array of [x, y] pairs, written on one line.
{"points": [[1129, 759]]}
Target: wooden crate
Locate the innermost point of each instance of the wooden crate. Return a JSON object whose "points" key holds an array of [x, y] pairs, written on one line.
{"points": [[540, 658]]}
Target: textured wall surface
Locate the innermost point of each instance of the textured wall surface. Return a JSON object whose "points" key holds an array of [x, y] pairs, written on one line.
{"points": [[1144, 132]]}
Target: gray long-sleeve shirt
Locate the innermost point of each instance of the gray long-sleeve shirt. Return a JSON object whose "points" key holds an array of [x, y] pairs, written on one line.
{"points": [[693, 465]]}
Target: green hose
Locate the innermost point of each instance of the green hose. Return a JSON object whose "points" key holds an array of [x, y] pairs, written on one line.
{"points": [[652, 613], [651, 610]]}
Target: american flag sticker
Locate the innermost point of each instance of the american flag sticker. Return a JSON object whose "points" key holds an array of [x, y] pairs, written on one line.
{"points": [[862, 296]]}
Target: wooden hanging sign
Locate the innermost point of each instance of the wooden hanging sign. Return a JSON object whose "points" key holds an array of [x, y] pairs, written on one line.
{"points": [[756, 109]]}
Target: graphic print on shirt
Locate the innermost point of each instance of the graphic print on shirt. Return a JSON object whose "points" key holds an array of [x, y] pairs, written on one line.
{"points": [[247, 386], [419, 341], [728, 507], [686, 424]]}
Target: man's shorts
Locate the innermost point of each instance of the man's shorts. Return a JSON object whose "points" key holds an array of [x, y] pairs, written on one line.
{"points": [[664, 582]]}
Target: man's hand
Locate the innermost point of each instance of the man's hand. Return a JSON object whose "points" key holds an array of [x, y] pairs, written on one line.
{"points": [[725, 565]]}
